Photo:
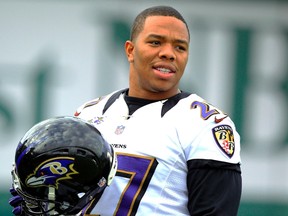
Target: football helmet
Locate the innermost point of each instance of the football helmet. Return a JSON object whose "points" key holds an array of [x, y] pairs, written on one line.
{"points": [[61, 165]]}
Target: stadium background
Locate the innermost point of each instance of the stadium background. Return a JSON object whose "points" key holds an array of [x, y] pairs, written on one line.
{"points": [[55, 55]]}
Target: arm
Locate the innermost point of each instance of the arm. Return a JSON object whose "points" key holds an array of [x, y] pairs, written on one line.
{"points": [[214, 187]]}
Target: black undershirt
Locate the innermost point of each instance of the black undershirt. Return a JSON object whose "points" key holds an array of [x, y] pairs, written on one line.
{"points": [[134, 103]]}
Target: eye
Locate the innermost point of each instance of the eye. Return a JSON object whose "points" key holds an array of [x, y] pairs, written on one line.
{"points": [[154, 43], [181, 48]]}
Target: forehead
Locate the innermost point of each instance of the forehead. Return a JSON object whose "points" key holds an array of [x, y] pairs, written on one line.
{"points": [[166, 25]]}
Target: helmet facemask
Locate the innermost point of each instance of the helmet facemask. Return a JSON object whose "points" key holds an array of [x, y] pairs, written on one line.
{"points": [[57, 174]]}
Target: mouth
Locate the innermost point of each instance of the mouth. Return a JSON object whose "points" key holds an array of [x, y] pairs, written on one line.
{"points": [[164, 69]]}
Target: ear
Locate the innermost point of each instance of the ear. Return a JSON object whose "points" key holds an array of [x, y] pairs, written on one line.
{"points": [[129, 48]]}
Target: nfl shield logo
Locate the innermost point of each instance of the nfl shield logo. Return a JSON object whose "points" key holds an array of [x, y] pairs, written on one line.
{"points": [[223, 135], [119, 130]]}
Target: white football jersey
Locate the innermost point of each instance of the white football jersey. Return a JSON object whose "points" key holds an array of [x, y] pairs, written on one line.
{"points": [[153, 146]]}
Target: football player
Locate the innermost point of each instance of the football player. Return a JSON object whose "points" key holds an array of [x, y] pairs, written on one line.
{"points": [[62, 166], [177, 154]]}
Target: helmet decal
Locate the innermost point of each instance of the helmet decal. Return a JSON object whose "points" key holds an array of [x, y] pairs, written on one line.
{"points": [[48, 160], [51, 171]]}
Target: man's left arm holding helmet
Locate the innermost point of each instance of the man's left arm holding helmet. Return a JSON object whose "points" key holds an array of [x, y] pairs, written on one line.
{"points": [[62, 166]]}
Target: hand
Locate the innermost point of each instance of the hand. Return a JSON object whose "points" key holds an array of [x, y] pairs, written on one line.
{"points": [[16, 202]]}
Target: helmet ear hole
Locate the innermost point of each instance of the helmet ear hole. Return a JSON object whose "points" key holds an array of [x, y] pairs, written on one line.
{"points": [[65, 154]]}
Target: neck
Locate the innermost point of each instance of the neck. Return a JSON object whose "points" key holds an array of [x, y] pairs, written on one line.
{"points": [[149, 95]]}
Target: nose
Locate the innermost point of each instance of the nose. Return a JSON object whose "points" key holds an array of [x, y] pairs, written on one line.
{"points": [[167, 52]]}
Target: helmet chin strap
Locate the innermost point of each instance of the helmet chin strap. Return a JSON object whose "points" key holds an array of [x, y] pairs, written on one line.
{"points": [[52, 197]]}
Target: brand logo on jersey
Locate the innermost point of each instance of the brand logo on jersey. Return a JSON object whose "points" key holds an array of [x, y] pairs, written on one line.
{"points": [[224, 138], [218, 120], [119, 130], [51, 171]]}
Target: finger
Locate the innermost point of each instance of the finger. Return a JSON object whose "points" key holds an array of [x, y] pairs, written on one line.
{"points": [[13, 191], [17, 211], [15, 201]]}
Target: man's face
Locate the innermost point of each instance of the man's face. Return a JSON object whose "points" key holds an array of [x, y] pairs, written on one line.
{"points": [[158, 57]]}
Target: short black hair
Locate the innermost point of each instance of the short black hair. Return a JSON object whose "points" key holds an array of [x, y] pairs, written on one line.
{"points": [[139, 21]]}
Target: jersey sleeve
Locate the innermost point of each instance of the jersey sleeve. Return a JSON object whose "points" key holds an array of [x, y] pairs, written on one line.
{"points": [[212, 149], [214, 176], [205, 132], [214, 188], [215, 141]]}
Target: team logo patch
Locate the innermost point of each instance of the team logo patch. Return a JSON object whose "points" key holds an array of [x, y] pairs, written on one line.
{"points": [[51, 171], [224, 138]]}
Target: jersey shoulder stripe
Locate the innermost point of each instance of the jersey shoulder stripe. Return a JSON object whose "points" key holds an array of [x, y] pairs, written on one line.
{"points": [[171, 102], [167, 105], [112, 99]]}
